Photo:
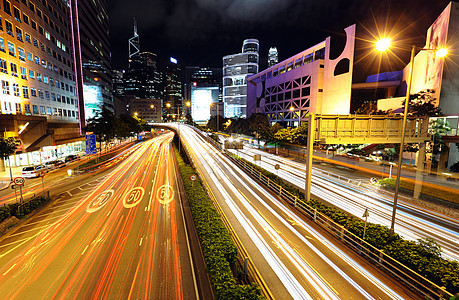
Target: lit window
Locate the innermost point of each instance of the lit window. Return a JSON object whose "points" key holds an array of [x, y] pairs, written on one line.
{"points": [[3, 66], [12, 49], [19, 34], [17, 14], [23, 73], [14, 69], [16, 90], [9, 28], [18, 108], [25, 92], [21, 54], [5, 87]]}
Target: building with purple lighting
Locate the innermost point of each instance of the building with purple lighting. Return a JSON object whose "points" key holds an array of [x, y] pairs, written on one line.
{"points": [[316, 80]]}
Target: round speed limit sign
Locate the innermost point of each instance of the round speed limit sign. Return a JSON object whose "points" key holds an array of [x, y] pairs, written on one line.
{"points": [[193, 177], [18, 181]]}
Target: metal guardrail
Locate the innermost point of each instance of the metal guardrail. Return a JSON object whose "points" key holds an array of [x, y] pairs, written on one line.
{"points": [[413, 279], [244, 257]]}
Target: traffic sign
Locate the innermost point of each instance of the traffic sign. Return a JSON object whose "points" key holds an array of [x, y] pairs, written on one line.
{"points": [[277, 167], [91, 144], [42, 174], [193, 177], [366, 213], [18, 181]]}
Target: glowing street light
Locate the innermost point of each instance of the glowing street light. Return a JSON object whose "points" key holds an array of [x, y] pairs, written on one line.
{"points": [[168, 105], [383, 45], [441, 52], [188, 103]]}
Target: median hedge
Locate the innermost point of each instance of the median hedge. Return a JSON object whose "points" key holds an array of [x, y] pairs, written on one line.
{"points": [[423, 256], [220, 252], [21, 210]]}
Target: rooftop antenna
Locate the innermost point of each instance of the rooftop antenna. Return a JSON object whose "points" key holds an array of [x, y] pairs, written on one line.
{"points": [[134, 44]]}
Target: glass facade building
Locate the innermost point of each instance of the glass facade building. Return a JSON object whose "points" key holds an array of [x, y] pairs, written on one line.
{"points": [[236, 67], [273, 57]]}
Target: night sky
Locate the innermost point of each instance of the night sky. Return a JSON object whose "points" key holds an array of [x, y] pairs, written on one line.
{"points": [[201, 32]]}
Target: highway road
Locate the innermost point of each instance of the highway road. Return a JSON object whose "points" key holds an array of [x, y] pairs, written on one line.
{"points": [[295, 259], [118, 235], [412, 221]]}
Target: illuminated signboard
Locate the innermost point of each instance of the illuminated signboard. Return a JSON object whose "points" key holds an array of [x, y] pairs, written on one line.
{"points": [[173, 60]]}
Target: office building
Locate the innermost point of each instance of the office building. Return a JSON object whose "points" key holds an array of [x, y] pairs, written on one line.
{"points": [[236, 67], [95, 55], [173, 98], [143, 80], [203, 90], [38, 106], [316, 80], [146, 109], [273, 57]]}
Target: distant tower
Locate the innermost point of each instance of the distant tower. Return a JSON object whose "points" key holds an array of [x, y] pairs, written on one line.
{"points": [[134, 44], [236, 67], [273, 57]]}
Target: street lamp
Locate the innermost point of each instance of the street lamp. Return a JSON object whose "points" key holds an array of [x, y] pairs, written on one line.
{"points": [[383, 45]]}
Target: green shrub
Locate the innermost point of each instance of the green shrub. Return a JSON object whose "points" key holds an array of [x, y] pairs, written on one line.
{"points": [[4, 213]]}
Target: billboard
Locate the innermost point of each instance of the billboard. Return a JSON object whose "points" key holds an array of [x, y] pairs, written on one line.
{"points": [[201, 99], [92, 100]]}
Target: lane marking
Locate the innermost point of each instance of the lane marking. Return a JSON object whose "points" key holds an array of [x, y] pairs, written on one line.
{"points": [[84, 249], [9, 269]]}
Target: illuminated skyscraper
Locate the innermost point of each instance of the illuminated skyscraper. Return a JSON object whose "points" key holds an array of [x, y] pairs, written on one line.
{"points": [[236, 67], [173, 91], [273, 57], [95, 55]]}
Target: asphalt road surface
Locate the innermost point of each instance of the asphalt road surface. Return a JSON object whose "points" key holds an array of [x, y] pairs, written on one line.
{"points": [[120, 235]]}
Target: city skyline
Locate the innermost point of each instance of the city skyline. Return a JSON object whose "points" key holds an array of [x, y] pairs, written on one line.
{"points": [[201, 33]]}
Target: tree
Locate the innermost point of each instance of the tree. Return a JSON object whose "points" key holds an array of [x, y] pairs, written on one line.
{"points": [[240, 126], [258, 123], [439, 128], [103, 125], [423, 104], [371, 108], [7, 148], [300, 134]]}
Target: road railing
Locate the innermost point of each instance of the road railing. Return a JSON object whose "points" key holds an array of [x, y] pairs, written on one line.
{"points": [[403, 273]]}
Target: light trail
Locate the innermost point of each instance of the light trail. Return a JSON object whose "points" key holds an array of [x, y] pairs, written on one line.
{"points": [[411, 222], [108, 245], [284, 247]]}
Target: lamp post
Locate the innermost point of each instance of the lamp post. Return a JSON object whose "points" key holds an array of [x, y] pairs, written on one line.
{"points": [[383, 45]]}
